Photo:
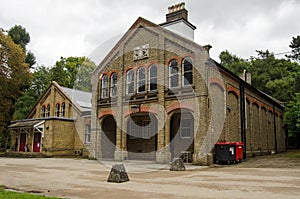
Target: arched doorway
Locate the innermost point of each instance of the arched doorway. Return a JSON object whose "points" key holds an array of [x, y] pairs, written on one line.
{"points": [[108, 137], [142, 136], [182, 135]]}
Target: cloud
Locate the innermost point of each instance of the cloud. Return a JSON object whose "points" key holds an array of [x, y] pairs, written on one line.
{"points": [[76, 28]]}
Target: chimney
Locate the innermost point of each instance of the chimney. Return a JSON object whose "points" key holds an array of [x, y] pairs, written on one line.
{"points": [[177, 11], [177, 21]]}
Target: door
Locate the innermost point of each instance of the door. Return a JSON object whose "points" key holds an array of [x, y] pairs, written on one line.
{"points": [[37, 142], [22, 142]]}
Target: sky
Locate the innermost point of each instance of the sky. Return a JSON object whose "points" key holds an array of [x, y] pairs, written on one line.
{"points": [[63, 28]]}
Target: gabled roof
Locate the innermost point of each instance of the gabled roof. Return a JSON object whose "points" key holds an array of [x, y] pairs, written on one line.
{"points": [[142, 22], [81, 100]]}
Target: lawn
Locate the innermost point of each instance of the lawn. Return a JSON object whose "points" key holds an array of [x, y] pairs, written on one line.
{"points": [[15, 195]]}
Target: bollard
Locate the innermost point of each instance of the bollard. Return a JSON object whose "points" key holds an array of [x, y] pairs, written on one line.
{"points": [[177, 165], [118, 174]]}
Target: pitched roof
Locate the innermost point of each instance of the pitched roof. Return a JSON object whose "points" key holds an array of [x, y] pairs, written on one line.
{"points": [[82, 98]]}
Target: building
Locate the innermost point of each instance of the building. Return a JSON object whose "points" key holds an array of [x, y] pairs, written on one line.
{"points": [[58, 124], [158, 95]]}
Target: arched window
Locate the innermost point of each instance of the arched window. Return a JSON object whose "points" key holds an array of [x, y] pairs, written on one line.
{"points": [[104, 87], [113, 85], [43, 111], [129, 82], [187, 71], [173, 74], [57, 109], [152, 78], [63, 109], [48, 111], [141, 80]]}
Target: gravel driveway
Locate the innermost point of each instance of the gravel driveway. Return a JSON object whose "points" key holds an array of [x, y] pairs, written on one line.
{"points": [[81, 178]]}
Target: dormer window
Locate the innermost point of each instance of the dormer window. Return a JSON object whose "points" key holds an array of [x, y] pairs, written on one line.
{"points": [[63, 109]]}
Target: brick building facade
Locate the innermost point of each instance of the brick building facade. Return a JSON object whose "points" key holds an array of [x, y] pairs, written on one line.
{"points": [[58, 124], [158, 95]]}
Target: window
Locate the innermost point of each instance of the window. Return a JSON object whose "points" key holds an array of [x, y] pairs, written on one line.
{"points": [[104, 87], [186, 126], [152, 78], [57, 109], [63, 109], [140, 129], [113, 85], [87, 133], [173, 74], [48, 111], [187, 72], [129, 82], [43, 111], [141, 80]]}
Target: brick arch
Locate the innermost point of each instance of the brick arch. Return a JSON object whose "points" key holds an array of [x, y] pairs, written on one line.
{"points": [[105, 113], [177, 58], [180, 106], [142, 110], [232, 89], [128, 68], [218, 82]]}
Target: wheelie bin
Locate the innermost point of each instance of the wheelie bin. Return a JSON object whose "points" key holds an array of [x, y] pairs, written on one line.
{"points": [[225, 152]]}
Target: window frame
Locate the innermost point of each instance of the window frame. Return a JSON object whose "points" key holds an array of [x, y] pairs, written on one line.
{"points": [[47, 112], [87, 134], [104, 87], [186, 72], [152, 78], [141, 81], [129, 83], [186, 131], [57, 109], [113, 84], [172, 74], [63, 109]]}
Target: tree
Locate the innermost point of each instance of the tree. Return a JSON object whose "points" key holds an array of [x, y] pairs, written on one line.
{"points": [[14, 79], [83, 79], [40, 82], [292, 120], [73, 70], [295, 46], [21, 37], [233, 63]]}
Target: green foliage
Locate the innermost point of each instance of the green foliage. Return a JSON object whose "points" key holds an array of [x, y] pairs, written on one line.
{"points": [[14, 195], [292, 120], [279, 78], [233, 63], [14, 79], [21, 37], [73, 72], [295, 46]]}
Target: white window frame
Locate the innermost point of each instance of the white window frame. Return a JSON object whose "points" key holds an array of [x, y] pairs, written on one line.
{"points": [[152, 79], [184, 72], [104, 87], [141, 81], [113, 85], [172, 74]]}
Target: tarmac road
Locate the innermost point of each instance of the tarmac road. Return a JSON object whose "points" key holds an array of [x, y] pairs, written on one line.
{"points": [[81, 178]]}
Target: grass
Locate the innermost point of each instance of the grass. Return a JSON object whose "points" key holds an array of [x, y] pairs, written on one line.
{"points": [[4, 194], [294, 155]]}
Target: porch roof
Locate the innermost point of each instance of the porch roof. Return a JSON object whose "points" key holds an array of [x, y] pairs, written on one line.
{"points": [[26, 124]]}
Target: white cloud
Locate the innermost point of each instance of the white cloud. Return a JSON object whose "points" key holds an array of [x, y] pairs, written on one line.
{"points": [[75, 28]]}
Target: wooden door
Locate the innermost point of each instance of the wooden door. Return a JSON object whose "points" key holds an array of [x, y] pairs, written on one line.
{"points": [[37, 142], [22, 142]]}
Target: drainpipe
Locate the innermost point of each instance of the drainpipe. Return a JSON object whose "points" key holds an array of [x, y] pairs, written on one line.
{"points": [[242, 117], [275, 135]]}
